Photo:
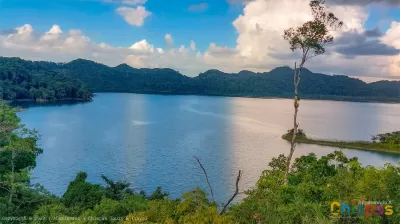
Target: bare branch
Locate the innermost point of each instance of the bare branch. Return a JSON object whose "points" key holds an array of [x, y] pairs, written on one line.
{"points": [[234, 195], [205, 174]]}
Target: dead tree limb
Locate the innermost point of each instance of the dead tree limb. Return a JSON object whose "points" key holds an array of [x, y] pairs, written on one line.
{"points": [[205, 174], [234, 195]]}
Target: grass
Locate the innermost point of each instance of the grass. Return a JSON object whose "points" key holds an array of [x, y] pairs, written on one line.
{"points": [[361, 145]]}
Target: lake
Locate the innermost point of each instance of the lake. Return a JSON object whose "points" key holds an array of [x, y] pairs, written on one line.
{"points": [[151, 140]]}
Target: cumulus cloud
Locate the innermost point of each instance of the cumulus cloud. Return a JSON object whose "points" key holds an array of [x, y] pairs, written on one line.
{"points": [[143, 47], [354, 43], [7, 31], [201, 7], [134, 16], [192, 45], [53, 34], [373, 33], [392, 36], [136, 61], [27, 43], [259, 44], [220, 50], [262, 23], [168, 40]]}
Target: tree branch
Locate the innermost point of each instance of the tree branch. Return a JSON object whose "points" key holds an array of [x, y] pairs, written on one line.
{"points": [[205, 174], [31, 201], [6, 189], [234, 195]]}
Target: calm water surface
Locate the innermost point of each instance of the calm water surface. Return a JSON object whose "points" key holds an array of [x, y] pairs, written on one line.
{"points": [[151, 140]]}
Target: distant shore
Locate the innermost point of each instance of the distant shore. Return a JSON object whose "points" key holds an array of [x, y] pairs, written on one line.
{"points": [[21, 105], [284, 96], [306, 97], [47, 100], [360, 145]]}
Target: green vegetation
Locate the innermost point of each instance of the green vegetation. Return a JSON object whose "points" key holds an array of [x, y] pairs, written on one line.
{"points": [[26, 80], [389, 142], [123, 78], [313, 184]]}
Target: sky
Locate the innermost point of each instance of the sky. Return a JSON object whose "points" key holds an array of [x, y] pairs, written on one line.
{"points": [[192, 36]]}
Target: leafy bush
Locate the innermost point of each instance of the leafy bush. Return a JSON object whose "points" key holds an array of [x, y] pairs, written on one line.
{"points": [[387, 138]]}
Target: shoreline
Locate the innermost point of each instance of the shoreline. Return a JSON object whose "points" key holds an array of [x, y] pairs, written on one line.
{"points": [[332, 98], [44, 101], [357, 145], [314, 98]]}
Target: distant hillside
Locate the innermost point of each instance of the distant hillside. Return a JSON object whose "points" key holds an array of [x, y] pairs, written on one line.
{"points": [[20, 79], [276, 83]]}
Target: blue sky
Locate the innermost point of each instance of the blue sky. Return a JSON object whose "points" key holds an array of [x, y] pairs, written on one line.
{"points": [[98, 20], [228, 36], [382, 16]]}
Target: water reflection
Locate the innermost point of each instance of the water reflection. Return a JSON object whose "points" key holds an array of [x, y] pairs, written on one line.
{"points": [[150, 140]]}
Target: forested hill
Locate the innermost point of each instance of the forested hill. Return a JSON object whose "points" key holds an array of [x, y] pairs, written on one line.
{"points": [[276, 83], [20, 79]]}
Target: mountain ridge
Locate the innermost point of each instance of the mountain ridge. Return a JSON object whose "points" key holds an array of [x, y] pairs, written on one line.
{"points": [[276, 83]]}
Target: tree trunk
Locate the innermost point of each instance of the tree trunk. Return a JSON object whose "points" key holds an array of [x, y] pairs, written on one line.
{"points": [[296, 81]]}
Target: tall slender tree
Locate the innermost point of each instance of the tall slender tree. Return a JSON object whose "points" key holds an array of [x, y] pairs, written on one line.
{"points": [[310, 38]]}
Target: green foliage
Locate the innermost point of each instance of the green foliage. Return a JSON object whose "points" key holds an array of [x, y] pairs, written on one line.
{"points": [[116, 190], [194, 208], [18, 151], [388, 138], [299, 133], [389, 142], [81, 195], [313, 35], [110, 209], [314, 184], [20, 79], [158, 194], [49, 213]]}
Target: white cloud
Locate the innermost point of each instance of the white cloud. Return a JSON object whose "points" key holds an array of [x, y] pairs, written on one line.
{"points": [[160, 51], [392, 38], [182, 49], [260, 30], [142, 47], [23, 34], [218, 50], [192, 45], [53, 34], [134, 16], [136, 61], [168, 40]]}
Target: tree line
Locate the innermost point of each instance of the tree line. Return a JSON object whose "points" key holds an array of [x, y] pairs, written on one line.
{"points": [[21, 79]]}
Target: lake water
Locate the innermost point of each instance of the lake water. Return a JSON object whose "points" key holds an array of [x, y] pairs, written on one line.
{"points": [[151, 140]]}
